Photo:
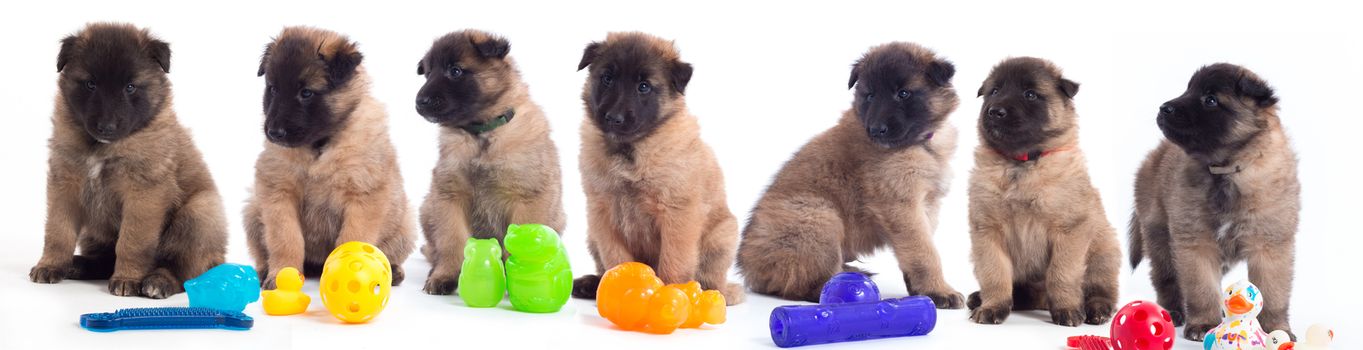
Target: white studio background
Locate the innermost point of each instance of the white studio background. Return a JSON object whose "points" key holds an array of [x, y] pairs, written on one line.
{"points": [[768, 78]]}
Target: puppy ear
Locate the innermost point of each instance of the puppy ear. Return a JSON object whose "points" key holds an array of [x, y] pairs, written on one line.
{"points": [[856, 72], [1256, 89], [420, 68], [1068, 87], [940, 72], [681, 75], [64, 56], [264, 56], [341, 67], [589, 55], [980, 93], [160, 52], [493, 47]]}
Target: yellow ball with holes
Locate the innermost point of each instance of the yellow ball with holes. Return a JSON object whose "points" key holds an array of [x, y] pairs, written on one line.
{"points": [[355, 282]]}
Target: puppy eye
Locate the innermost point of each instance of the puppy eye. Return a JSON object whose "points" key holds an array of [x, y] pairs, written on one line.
{"points": [[644, 88], [90, 85], [994, 92], [1029, 95], [903, 94], [271, 89], [130, 89], [606, 79], [870, 96], [305, 93], [1209, 101], [455, 72]]}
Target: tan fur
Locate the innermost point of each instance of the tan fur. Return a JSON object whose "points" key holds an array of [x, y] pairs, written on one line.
{"points": [[482, 183], [1040, 238], [144, 206], [843, 196], [1191, 247], [665, 205], [306, 202]]}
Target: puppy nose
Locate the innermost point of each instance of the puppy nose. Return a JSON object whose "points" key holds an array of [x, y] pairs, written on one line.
{"points": [[1166, 109], [877, 130], [106, 128], [423, 101], [615, 118], [276, 133], [998, 112]]}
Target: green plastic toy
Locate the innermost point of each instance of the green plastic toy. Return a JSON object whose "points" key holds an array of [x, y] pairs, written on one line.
{"points": [[537, 273], [482, 281]]}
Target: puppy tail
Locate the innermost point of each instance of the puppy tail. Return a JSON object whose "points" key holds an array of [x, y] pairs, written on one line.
{"points": [[1136, 243]]}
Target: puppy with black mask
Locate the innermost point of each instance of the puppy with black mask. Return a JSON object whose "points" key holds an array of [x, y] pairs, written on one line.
{"points": [[125, 182], [497, 164]]}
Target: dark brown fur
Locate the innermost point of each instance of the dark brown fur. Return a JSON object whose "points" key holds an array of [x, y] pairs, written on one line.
{"points": [[1040, 238], [655, 193], [125, 182], [874, 179], [1194, 224], [483, 181], [332, 176]]}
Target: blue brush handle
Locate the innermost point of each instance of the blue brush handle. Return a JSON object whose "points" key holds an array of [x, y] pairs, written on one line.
{"points": [[166, 318]]}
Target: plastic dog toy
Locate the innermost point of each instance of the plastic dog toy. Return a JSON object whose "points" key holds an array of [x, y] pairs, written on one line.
{"points": [[227, 287], [355, 282], [288, 297], [1140, 325], [482, 279], [1318, 337], [166, 318], [849, 287], [793, 326], [1280, 340], [1240, 329], [633, 298], [538, 277]]}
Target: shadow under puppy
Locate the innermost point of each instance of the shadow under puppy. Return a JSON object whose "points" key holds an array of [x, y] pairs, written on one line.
{"points": [[497, 164], [1039, 236], [125, 182], [874, 179], [1221, 188], [655, 193], [328, 174]]}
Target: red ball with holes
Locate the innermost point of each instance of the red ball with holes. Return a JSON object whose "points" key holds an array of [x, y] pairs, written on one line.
{"points": [[1140, 325]]}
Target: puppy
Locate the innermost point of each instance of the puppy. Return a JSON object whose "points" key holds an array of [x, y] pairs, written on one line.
{"points": [[497, 164], [874, 179], [654, 190], [125, 182], [328, 174], [1221, 188], [1039, 236]]}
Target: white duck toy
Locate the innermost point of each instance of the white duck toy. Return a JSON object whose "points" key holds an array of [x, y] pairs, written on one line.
{"points": [[1318, 337], [1240, 329]]}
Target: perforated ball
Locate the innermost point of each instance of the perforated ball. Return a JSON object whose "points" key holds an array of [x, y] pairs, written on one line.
{"points": [[355, 282]]}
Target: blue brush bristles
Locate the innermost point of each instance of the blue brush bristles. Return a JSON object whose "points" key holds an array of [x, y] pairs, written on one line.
{"points": [[166, 318]]}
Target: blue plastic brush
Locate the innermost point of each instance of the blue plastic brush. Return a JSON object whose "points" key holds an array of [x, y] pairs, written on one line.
{"points": [[166, 318]]}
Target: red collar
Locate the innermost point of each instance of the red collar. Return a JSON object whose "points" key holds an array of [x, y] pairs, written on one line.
{"points": [[1034, 155]]}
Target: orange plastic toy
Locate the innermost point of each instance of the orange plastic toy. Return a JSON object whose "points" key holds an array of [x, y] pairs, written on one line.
{"points": [[634, 298], [288, 297], [355, 282]]}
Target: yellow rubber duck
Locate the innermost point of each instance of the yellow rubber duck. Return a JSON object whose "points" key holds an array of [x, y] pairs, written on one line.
{"points": [[287, 298]]}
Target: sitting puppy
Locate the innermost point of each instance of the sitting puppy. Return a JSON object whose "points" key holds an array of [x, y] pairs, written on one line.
{"points": [[125, 181], [328, 174], [874, 179], [1039, 236], [655, 193], [497, 164], [1221, 188]]}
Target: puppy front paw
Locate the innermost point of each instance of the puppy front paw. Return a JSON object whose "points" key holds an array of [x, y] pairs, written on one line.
{"points": [[124, 287], [1196, 332], [48, 274], [1067, 317], [994, 314], [1099, 312], [585, 287], [948, 299], [440, 285], [973, 301], [1177, 317], [158, 286], [398, 275]]}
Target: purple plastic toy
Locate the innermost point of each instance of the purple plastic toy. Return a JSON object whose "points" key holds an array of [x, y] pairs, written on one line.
{"points": [[793, 326], [849, 287]]}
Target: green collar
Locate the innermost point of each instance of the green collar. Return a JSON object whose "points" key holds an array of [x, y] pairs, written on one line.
{"points": [[480, 128]]}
